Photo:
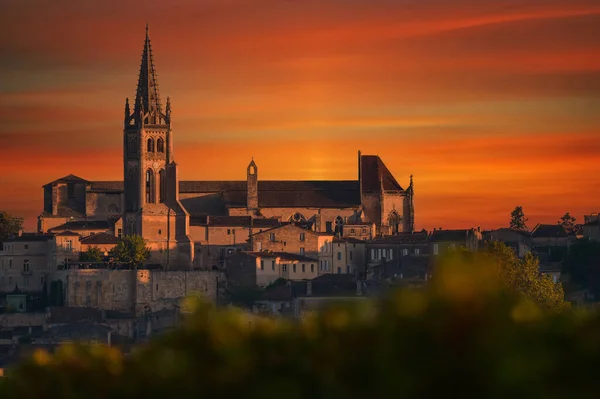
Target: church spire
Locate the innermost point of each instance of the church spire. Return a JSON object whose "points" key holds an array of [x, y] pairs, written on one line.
{"points": [[147, 97]]}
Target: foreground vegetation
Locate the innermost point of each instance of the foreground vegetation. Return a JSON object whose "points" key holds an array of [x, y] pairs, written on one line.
{"points": [[468, 334]]}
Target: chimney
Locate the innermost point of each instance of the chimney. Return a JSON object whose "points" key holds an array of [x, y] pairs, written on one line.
{"points": [[309, 288], [359, 288]]}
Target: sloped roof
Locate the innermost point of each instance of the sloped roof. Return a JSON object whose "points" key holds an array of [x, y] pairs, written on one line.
{"points": [[549, 231], [30, 238], [100, 238], [106, 186], [449, 235], [83, 225], [68, 179], [374, 173], [402, 238], [67, 233]]}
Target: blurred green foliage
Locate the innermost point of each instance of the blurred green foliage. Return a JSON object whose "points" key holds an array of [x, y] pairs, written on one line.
{"points": [[93, 254], [476, 330], [131, 250]]}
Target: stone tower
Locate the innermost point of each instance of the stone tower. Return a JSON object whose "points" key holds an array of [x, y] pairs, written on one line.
{"points": [[151, 186], [252, 187]]}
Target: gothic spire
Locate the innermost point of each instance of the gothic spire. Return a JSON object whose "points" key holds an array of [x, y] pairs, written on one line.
{"points": [[147, 97]]}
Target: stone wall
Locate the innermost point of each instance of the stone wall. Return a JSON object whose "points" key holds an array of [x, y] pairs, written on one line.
{"points": [[142, 290], [10, 320]]}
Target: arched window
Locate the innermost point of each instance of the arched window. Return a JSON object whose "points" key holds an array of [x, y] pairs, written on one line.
{"points": [[297, 217], [163, 184], [160, 145], [150, 145], [149, 186], [394, 221], [339, 225]]}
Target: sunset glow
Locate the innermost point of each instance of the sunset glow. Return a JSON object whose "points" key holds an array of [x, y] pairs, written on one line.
{"points": [[488, 104]]}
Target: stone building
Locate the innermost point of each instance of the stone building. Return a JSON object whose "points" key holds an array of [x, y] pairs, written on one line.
{"points": [[591, 227], [442, 240], [295, 240], [348, 256], [130, 291], [152, 202]]}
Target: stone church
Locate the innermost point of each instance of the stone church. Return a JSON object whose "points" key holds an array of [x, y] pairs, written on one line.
{"points": [[154, 203]]}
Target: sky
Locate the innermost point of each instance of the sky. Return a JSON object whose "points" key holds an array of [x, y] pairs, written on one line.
{"points": [[489, 104]]}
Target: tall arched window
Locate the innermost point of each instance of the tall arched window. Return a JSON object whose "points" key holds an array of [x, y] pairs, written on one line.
{"points": [[160, 145], [339, 225], [149, 186], [394, 221], [163, 185], [150, 145]]}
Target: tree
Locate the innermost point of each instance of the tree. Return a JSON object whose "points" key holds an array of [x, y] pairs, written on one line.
{"points": [[523, 276], [568, 222], [131, 250], [9, 225], [93, 254], [517, 219]]}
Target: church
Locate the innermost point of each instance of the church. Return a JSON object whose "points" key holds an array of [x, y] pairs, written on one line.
{"points": [[152, 202]]}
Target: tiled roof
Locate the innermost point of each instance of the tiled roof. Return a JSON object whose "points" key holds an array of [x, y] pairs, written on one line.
{"points": [[506, 229], [260, 254], [374, 172], [233, 221], [449, 235], [106, 186], [67, 233], [548, 231], [285, 256], [68, 179], [350, 240], [30, 238], [83, 225], [402, 238], [100, 238], [281, 292]]}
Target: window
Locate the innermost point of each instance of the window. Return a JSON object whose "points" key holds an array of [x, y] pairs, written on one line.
{"points": [[150, 146], [26, 265], [339, 270], [380, 254], [162, 181], [326, 265], [339, 225], [302, 236], [26, 281], [391, 254], [160, 145], [228, 231], [417, 251], [68, 245], [119, 233], [339, 256], [301, 250], [303, 268], [436, 249], [373, 254], [405, 252], [272, 265], [348, 269], [271, 237], [26, 246], [159, 231], [149, 186], [364, 231], [351, 231], [350, 255], [284, 268], [262, 264], [294, 268], [312, 268], [10, 263], [70, 190], [156, 287]]}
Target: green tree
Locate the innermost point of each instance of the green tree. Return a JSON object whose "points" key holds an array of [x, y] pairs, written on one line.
{"points": [[93, 254], [517, 219], [9, 225], [568, 222], [131, 250], [523, 276]]}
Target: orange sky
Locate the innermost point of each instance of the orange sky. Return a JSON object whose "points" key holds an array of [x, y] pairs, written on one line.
{"points": [[490, 104]]}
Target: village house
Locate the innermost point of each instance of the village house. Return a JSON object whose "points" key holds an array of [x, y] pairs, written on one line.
{"points": [[519, 240], [292, 239], [591, 227], [443, 240], [348, 256]]}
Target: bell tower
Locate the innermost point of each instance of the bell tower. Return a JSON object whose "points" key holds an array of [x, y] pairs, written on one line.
{"points": [[151, 186]]}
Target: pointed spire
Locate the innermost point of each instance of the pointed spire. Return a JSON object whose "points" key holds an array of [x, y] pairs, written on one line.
{"points": [[127, 110], [147, 96]]}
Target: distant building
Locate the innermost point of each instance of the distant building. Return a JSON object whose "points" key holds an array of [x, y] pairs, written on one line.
{"points": [[442, 240], [591, 227], [152, 202], [519, 240]]}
